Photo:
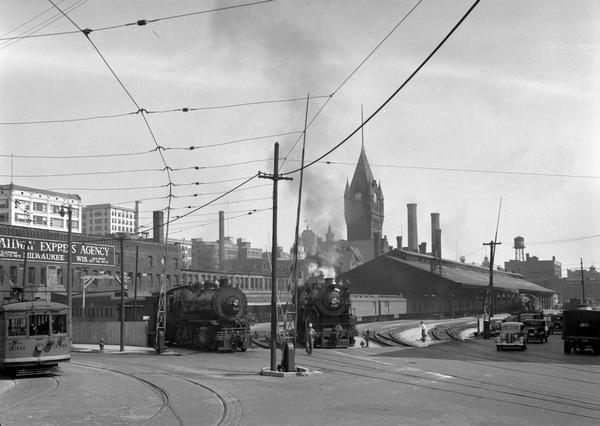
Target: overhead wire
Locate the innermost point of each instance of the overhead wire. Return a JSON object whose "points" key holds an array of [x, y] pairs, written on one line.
{"points": [[68, 120], [49, 157], [393, 95], [354, 71], [139, 22]]}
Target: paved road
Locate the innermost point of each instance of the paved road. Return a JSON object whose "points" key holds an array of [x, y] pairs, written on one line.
{"points": [[455, 383]]}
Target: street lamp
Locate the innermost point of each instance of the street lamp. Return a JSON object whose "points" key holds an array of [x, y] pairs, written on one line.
{"points": [[69, 212]]}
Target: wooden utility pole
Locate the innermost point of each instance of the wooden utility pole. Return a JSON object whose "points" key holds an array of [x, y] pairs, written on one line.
{"points": [[122, 333], [492, 244], [275, 178]]}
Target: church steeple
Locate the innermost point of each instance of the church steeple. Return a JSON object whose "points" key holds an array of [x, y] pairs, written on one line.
{"points": [[363, 202]]}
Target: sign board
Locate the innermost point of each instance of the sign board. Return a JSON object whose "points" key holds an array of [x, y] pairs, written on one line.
{"points": [[39, 250]]}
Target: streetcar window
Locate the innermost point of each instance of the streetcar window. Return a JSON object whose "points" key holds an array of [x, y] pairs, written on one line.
{"points": [[39, 325], [17, 327], [59, 324]]}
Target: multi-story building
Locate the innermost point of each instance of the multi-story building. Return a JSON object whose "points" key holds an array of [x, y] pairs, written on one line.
{"points": [[534, 269], [107, 219], [38, 208]]}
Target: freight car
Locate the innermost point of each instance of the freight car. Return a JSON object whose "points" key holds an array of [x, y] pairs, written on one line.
{"points": [[326, 305], [34, 337], [211, 317], [581, 329]]}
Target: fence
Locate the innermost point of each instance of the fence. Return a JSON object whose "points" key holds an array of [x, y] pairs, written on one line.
{"points": [[135, 333]]}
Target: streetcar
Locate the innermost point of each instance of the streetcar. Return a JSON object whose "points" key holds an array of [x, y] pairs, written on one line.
{"points": [[34, 337]]}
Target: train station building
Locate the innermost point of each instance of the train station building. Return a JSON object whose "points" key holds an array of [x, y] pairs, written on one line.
{"points": [[439, 287]]}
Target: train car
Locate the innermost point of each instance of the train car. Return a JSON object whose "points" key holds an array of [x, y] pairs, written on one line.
{"points": [[34, 337], [211, 317], [326, 305], [581, 329]]}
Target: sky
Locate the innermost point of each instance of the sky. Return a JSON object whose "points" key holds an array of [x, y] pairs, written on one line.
{"points": [[498, 130]]}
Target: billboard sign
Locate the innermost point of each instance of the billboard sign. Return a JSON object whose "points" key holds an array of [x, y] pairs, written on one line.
{"points": [[39, 250]]}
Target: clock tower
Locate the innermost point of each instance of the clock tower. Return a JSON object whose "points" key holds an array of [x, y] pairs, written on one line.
{"points": [[363, 203]]}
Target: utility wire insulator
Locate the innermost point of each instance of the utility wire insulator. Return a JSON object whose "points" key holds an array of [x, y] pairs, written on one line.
{"points": [[191, 148], [185, 109], [86, 32], [142, 22]]}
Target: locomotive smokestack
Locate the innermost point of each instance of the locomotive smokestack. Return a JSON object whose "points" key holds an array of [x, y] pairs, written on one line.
{"points": [[413, 238], [221, 239], [435, 225], [158, 229]]}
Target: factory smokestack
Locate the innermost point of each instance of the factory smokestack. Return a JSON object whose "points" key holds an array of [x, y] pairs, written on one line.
{"points": [[158, 229], [221, 238], [435, 225], [413, 237], [437, 248]]}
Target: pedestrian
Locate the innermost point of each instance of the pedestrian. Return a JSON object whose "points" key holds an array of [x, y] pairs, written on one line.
{"points": [[423, 332], [310, 338]]}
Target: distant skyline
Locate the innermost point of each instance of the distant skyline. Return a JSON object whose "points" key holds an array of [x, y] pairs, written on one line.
{"points": [[507, 109]]}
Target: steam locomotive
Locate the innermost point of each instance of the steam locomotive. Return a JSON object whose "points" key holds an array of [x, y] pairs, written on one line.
{"points": [[211, 317], [326, 305]]}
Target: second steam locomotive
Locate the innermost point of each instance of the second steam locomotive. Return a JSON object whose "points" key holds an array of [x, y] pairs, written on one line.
{"points": [[212, 317], [326, 305]]}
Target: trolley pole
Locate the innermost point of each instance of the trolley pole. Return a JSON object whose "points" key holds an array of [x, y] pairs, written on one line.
{"points": [[275, 178]]}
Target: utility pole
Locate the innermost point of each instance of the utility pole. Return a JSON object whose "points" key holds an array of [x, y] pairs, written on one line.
{"points": [[582, 279], [492, 244], [122, 334], [69, 213], [275, 178], [135, 280]]}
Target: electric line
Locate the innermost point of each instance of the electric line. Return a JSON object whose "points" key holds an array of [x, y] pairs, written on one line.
{"points": [[215, 193], [352, 74], [393, 95], [68, 120], [450, 169], [140, 22], [566, 240], [191, 148], [48, 157], [85, 173]]}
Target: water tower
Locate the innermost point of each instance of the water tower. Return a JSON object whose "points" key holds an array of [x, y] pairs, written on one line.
{"points": [[519, 249]]}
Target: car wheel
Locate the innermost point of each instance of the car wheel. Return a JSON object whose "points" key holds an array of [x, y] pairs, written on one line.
{"points": [[497, 348], [567, 347]]}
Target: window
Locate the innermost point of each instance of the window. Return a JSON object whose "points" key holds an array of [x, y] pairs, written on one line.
{"points": [[1, 275], [56, 222], [3, 203], [40, 220], [59, 324], [13, 274], [31, 275], [74, 224], [39, 207], [43, 279], [21, 218], [3, 217], [17, 327], [149, 260], [55, 209], [39, 325]]}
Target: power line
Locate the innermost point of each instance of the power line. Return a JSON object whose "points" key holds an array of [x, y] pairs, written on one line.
{"points": [[354, 71], [140, 22], [48, 157], [566, 240], [191, 148], [68, 120], [393, 95], [450, 169], [215, 193]]}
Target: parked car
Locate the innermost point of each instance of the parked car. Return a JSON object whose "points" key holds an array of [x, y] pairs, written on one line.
{"points": [[536, 329], [512, 335]]}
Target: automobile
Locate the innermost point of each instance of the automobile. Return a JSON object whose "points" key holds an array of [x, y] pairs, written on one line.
{"points": [[557, 322], [512, 335], [536, 329]]}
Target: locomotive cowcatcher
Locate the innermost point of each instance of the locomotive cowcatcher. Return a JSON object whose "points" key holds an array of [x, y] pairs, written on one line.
{"points": [[211, 317], [326, 305], [34, 337]]}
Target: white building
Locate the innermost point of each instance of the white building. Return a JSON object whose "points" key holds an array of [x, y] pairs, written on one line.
{"points": [[107, 219], [38, 208]]}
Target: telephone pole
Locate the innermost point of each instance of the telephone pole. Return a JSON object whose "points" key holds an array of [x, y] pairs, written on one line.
{"points": [[275, 177], [582, 282]]}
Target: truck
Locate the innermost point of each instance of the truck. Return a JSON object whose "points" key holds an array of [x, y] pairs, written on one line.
{"points": [[581, 329]]}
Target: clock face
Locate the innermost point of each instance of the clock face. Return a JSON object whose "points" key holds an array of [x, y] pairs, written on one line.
{"points": [[358, 196]]}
